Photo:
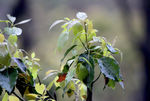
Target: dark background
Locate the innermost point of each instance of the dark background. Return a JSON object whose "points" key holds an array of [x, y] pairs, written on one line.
{"points": [[128, 20]]}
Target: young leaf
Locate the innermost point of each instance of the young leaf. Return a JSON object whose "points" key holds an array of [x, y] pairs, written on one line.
{"points": [[40, 88], [23, 22], [2, 38], [66, 53], [110, 68], [11, 18], [13, 31], [12, 39], [81, 15], [5, 97], [8, 79], [20, 64], [55, 23], [63, 38], [13, 98]]}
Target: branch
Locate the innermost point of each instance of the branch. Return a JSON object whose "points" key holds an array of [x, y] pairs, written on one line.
{"points": [[97, 78], [21, 99]]}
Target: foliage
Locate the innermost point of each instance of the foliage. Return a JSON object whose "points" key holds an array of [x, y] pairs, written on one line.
{"points": [[18, 70], [87, 51]]}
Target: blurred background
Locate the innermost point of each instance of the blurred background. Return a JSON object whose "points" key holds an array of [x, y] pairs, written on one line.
{"points": [[127, 20]]}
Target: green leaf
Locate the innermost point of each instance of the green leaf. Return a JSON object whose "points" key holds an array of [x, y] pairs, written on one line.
{"points": [[82, 72], [20, 64], [2, 37], [33, 55], [81, 15], [55, 23], [68, 50], [23, 22], [13, 98], [111, 49], [110, 68], [62, 40], [8, 79], [13, 31], [111, 83], [77, 28], [88, 62], [5, 97], [5, 58], [70, 75], [11, 18], [12, 39], [40, 88]]}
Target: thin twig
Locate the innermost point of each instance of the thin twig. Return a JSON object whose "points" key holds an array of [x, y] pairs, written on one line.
{"points": [[97, 78], [21, 99], [39, 79]]}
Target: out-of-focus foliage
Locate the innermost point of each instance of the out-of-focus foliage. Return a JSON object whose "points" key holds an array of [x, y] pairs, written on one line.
{"points": [[18, 70]]}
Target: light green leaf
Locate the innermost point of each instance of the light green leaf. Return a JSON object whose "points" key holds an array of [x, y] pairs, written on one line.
{"points": [[13, 31], [5, 97], [13, 98], [12, 39], [2, 37], [40, 88], [33, 55], [77, 28], [62, 40]]}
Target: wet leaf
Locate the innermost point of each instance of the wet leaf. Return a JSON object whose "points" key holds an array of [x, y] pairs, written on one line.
{"points": [[110, 68], [8, 79], [81, 15], [11, 18], [13, 31], [20, 64]]}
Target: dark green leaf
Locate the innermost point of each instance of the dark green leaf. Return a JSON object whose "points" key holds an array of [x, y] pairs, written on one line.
{"points": [[110, 68], [66, 53], [8, 79], [88, 62], [20, 64]]}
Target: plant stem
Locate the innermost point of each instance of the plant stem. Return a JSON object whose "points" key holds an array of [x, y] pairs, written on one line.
{"points": [[89, 93], [21, 99], [39, 79]]}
